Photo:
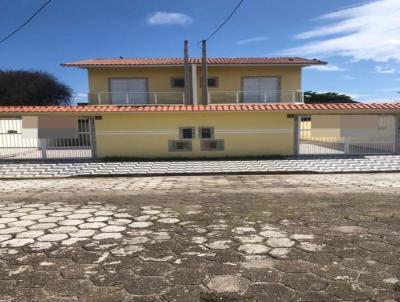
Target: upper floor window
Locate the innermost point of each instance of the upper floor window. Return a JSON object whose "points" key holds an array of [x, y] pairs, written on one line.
{"points": [[212, 82], [177, 82]]}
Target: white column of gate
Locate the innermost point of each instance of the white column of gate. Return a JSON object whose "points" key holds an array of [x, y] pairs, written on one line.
{"points": [[339, 141]]}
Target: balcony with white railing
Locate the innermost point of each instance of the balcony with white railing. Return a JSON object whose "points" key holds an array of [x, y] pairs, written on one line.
{"points": [[267, 96], [136, 98], [215, 97]]}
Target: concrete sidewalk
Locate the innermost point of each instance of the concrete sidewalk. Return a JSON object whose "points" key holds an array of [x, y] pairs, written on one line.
{"points": [[387, 163]]}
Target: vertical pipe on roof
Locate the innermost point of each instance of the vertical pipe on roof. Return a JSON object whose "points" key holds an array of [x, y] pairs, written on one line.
{"points": [[194, 84], [205, 73], [187, 73]]}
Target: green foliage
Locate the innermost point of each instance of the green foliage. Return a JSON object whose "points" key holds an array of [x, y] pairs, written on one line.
{"points": [[32, 88], [311, 97]]}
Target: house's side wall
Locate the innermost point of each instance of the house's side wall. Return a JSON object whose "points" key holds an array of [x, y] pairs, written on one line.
{"points": [[146, 135], [159, 78]]}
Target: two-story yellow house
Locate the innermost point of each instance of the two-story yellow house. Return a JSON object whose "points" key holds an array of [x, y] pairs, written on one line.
{"points": [[159, 108], [161, 81]]}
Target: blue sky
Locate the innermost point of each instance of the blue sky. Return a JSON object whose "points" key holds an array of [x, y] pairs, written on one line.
{"points": [[360, 39]]}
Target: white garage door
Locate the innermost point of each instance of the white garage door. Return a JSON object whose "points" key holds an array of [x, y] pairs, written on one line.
{"points": [[261, 90], [128, 91]]}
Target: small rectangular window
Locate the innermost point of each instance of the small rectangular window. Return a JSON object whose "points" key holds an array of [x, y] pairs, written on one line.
{"points": [[213, 145], [206, 132], [175, 146], [186, 133], [213, 82], [177, 82], [12, 132]]}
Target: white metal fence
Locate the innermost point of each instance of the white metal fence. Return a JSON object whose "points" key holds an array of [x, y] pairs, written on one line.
{"points": [[379, 141], [13, 146], [137, 98], [266, 96]]}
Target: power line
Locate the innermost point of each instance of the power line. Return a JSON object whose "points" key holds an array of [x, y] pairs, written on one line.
{"points": [[26, 22], [225, 21]]}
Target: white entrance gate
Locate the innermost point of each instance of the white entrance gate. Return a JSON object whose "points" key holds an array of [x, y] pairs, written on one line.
{"points": [[377, 138], [13, 146]]}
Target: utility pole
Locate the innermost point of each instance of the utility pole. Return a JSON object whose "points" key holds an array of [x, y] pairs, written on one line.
{"points": [[205, 73], [187, 73]]}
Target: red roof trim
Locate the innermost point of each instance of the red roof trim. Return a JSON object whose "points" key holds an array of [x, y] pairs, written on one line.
{"points": [[201, 108], [115, 62]]}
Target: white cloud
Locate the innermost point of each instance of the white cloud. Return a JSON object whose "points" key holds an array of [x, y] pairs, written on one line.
{"points": [[370, 31], [384, 70], [377, 100], [164, 18], [326, 68], [252, 40], [357, 96], [348, 77], [80, 95]]}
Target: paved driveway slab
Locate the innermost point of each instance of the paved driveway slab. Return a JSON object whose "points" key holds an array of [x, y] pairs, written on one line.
{"points": [[201, 238]]}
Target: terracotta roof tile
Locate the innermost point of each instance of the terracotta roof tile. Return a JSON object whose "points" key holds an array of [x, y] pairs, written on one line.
{"points": [[117, 62], [203, 108]]}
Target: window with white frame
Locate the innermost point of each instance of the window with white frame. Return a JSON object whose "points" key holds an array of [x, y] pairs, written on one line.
{"points": [[186, 132], [177, 82], [206, 132]]}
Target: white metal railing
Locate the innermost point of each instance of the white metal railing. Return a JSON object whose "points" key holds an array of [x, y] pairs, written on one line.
{"points": [[136, 98], [14, 146], [373, 141], [335, 145], [266, 96]]}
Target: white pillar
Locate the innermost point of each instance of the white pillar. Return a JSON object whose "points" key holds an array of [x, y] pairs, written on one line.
{"points": [[194, 84], [397, 134]]}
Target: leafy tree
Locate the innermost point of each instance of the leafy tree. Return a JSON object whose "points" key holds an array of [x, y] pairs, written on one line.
{"points": [[311, 97], [32, 88]]}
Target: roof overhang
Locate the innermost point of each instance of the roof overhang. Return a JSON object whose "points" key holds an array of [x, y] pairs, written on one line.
{"points": [[168, 66], [299, 109], [178, 62]]}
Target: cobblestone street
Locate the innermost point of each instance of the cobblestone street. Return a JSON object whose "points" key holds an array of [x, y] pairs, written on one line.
{"points": [[327, 237]]}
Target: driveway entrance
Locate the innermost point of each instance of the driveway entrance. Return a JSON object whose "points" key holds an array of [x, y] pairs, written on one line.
{"points": [[347, 134], [13, 146]]}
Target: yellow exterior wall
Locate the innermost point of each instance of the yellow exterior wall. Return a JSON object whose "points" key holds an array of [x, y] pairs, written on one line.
{"points": [[146, 135], [159, 78], [230, 78]]}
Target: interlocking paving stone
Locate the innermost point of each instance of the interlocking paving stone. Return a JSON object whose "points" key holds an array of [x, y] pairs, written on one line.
{"points": [[316, 237]]}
